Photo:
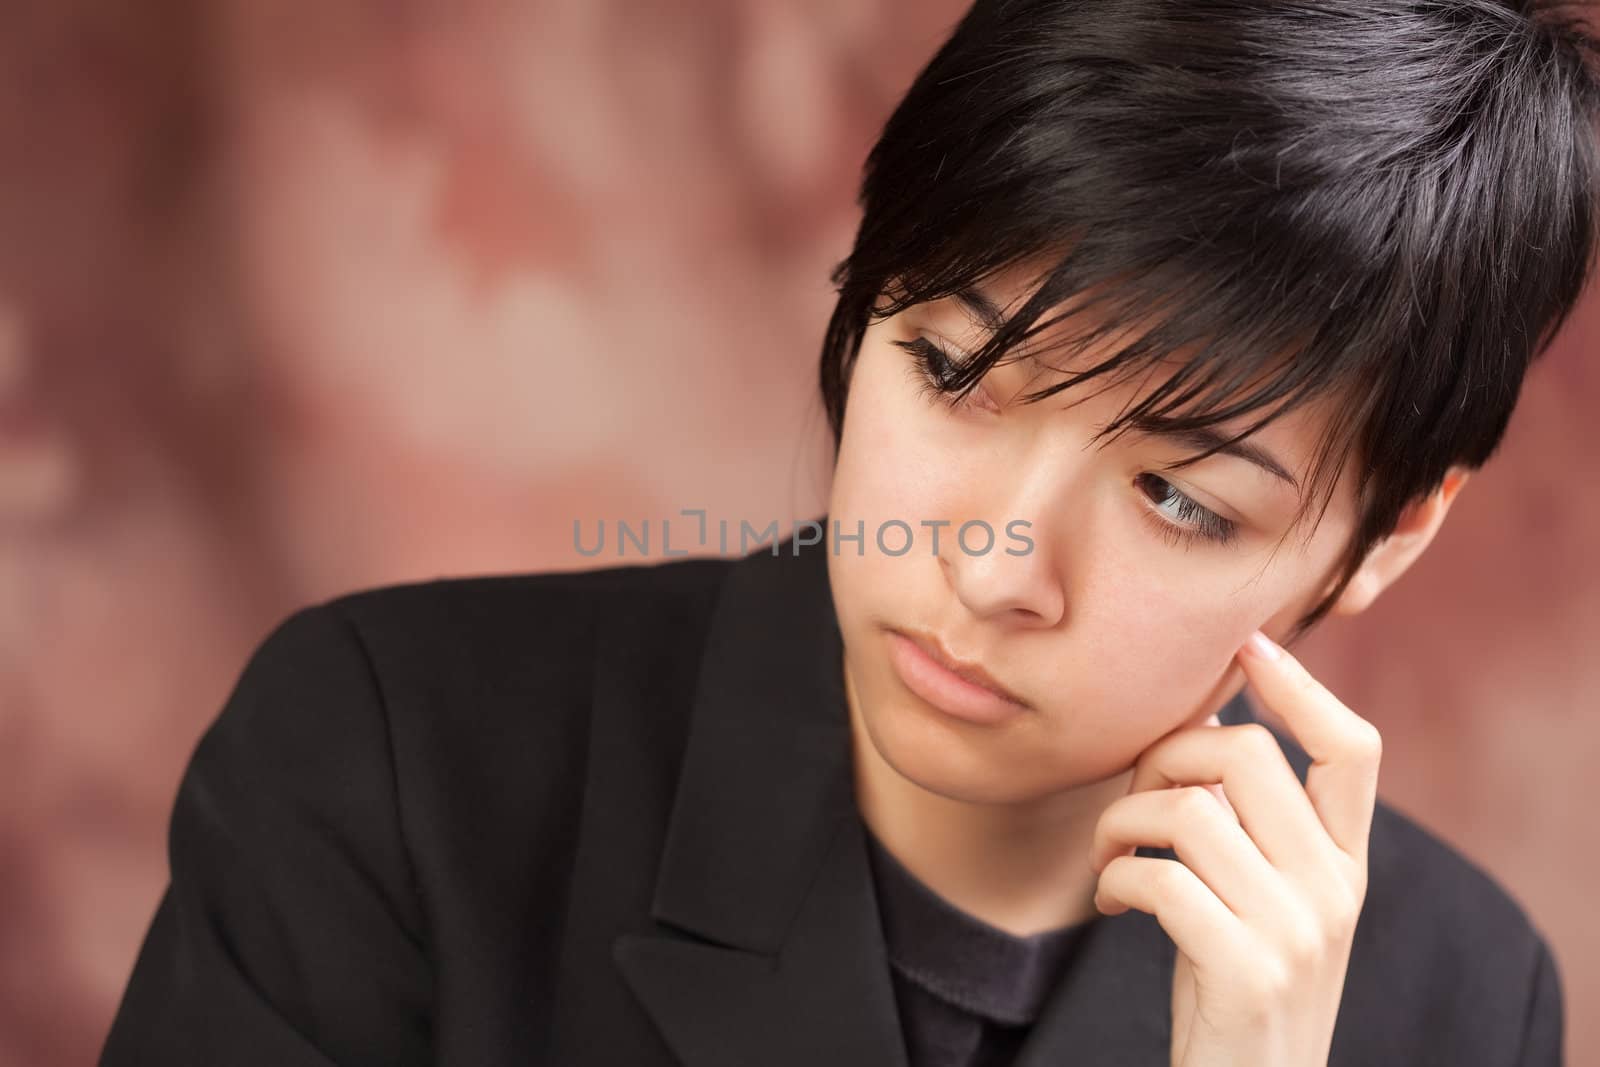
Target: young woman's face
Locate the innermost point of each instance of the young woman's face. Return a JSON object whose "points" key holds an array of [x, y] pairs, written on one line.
{"points": [[1121, 621]]}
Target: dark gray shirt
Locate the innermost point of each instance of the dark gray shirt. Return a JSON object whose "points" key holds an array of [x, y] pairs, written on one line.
{"points": [[968, 992]]}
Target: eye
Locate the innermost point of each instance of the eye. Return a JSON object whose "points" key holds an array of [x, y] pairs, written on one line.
{"points": [[1180, 518], [935, 371]]}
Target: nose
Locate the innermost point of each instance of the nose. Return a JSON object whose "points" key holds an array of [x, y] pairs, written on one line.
{"points": [[1013, 582]]}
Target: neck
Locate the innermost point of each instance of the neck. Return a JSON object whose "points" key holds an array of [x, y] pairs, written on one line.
{"points": [[1023, 868]]}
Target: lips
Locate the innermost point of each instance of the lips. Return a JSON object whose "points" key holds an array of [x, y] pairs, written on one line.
{"points": [[966, 669]]}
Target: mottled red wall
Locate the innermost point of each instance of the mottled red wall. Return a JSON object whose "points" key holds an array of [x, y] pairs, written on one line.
{"points": [[299, 297]]}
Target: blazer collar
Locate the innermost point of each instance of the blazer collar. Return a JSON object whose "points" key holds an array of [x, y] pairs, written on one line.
{"points": [[770, 948]]}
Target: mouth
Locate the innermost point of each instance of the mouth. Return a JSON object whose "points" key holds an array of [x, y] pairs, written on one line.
{"points": [[962, 687]]}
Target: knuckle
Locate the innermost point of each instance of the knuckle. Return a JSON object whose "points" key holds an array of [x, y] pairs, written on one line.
{"points": [[1269, 983], [1366, 742], [1195, 805], [1337, 896], [1257, 742], [1343, 925], [1166, 881], [1346, 913], [1305, 944], [1357, 882], [1113, 870]]}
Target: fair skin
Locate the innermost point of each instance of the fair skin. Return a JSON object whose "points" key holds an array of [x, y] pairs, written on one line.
{"points": [[1122, 644]]}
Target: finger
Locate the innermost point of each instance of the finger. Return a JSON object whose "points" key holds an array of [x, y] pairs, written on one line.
{"points": [[1265, 794], [1206, 839], [1221, 795], [1200, 925], [1214, 788], [1345, 749]]}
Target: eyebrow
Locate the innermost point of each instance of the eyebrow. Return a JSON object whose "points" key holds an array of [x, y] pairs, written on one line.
{"points": [[1203, 439], [980, 306], [1200, 439]]}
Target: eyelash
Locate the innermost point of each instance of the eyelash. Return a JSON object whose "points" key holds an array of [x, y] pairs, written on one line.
{"points": [[1200, 522], [931, 369]]}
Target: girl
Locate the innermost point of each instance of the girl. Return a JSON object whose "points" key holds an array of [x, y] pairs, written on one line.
{"points": [[1169, 331]]}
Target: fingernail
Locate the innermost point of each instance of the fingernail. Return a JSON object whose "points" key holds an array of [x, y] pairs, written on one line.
{"points": [[1262, 645]]}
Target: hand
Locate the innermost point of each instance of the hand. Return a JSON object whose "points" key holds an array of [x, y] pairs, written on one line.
{"points": [[1264, 903]]}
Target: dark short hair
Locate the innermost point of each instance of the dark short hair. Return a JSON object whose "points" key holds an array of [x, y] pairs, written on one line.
{"points": [[1388, 204]]}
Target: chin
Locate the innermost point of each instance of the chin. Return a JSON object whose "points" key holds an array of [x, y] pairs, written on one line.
{"points": [[954, 759]]}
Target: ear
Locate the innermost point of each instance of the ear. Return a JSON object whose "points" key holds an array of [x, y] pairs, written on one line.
{"points": [[1390, 558]]}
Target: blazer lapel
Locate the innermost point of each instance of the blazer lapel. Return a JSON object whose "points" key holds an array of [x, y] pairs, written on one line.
{"points": [[824, 997], [1113, 1005], [769, 948]]}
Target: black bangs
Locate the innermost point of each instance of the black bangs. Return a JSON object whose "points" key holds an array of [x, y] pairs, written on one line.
{"points": [[1385, 206], [1237, 366]]}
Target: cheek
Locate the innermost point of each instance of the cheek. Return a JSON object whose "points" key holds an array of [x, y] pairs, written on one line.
{"points": [[897, 458], [1149, 649]]}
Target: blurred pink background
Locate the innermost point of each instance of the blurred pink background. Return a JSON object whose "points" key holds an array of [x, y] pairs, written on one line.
{"points": [[301, 297]]}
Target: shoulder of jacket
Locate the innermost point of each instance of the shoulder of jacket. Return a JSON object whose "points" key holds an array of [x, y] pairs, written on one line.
{"points": [[493, 622], [1415, 874], [1446, 962], [480, 693]]}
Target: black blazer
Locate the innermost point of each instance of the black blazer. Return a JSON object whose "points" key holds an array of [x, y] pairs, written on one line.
{"points": [[607, 818]]}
